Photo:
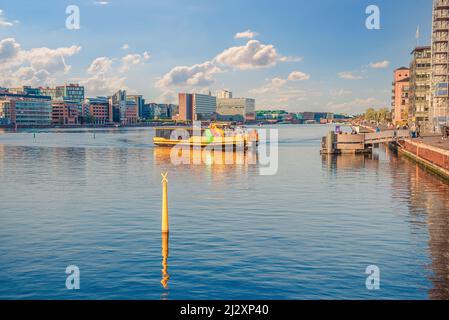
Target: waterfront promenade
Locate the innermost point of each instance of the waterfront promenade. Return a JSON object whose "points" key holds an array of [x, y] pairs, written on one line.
{"points": [[429, 150]]}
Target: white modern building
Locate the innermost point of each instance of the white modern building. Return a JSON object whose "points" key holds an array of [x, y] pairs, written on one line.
{"points": [[224, 94], [235, 108]]}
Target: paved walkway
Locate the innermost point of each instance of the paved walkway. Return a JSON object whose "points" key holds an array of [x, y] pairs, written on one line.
{"points": [[435, 141]]}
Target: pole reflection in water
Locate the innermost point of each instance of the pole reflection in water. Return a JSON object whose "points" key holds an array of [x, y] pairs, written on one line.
{"points": [[165, 275]]}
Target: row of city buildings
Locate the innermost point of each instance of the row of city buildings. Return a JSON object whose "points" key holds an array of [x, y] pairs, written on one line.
{"points": [[67, 105], [308, 117], [26, 106], [420, 92]]}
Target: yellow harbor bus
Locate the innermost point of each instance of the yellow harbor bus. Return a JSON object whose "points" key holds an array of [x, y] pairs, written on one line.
{"points": [[214, 136]]}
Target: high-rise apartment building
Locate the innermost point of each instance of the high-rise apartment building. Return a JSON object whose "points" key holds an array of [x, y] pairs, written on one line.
{"points": [[439, 107], [400, 95], [419, 97]]}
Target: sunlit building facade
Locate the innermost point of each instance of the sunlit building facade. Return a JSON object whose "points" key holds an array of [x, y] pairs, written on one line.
{"points": [[27, 109], [400, 95], [195, 106], [236, 109], [439, 107], [65, 112], [419, 97]]}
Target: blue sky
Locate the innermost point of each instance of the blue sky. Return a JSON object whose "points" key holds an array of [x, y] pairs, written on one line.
{"points": [[299, 55]]}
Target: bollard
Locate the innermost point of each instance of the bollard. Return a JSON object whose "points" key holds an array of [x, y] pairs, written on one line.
{"points": [[165, 227]]}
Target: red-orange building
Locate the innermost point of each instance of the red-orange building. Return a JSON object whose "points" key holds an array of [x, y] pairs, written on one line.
{"points": [[400, 95], [185, 107], [131, 114], [65, 112], [97, 110]]}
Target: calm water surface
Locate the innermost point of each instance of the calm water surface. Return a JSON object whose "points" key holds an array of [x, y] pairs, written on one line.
{"points": [[308, 232]]}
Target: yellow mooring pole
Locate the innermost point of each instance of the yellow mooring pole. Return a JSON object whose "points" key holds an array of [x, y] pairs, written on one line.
{"points": [[165, 227]]}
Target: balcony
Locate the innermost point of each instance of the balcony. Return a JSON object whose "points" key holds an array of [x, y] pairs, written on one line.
{"points": [[441, 15], [441, 4]]}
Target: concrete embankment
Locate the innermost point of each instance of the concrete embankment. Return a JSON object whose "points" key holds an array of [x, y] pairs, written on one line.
{"points": [[433, 158], [430, 152]]}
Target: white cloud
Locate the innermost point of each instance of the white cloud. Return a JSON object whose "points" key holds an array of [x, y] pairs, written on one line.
{"points": [[125, 46], [101, 3], [199, 75], [349, 76], [133, 59], [248, 34], [380, 64], [253, 55], [9, 49], [102, 78], [250, 56], [340, 93], [290, 59], [298, 76], [5, 23], [52, 60], [168, 97], [275, 84], [288, 98], [34, 66], [100, 65], [354, 106], [103, 84]]}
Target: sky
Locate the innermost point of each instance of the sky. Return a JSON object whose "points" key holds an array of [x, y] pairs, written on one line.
{"points": [[296, 55]]}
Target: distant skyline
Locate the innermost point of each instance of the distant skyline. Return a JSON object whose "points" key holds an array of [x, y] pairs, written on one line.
{"points": [[294, 55]]}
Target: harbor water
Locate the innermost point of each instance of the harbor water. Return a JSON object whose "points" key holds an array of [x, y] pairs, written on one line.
{"points": [[72, 197]]}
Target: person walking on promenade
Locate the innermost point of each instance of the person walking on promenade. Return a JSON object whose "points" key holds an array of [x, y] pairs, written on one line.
{"points": [[445, 131], [413, 131]]}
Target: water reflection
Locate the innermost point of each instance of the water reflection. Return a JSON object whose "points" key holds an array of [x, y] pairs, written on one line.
{"points": [[426, 197], [217, 166], [350, 162], [429, 195], [165, 275], [205, 157]]}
